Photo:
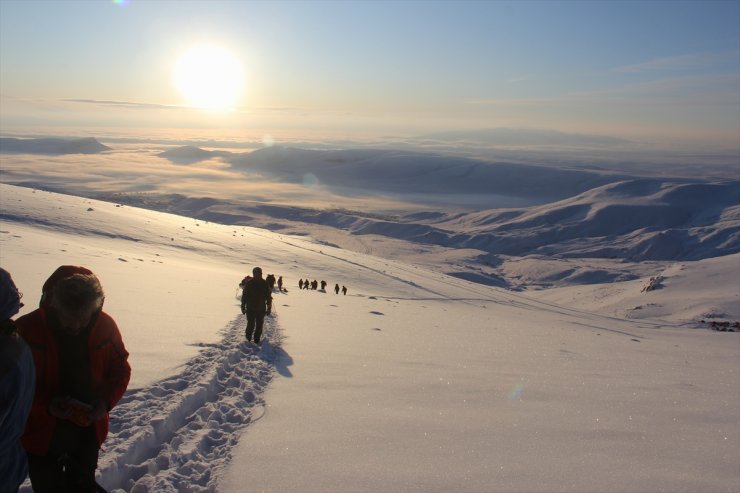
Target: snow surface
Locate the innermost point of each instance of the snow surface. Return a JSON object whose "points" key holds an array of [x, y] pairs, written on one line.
{"points": [[414, 381]]}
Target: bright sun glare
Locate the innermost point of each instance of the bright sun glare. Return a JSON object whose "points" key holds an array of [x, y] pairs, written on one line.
{"points": [[209, 77]]}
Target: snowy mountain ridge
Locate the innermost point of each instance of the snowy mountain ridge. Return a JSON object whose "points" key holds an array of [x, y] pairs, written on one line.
{"points": [[620, 225]]}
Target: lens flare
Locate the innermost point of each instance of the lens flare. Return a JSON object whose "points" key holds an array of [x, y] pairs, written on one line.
{"points": [[516, 392], [310, 180]]}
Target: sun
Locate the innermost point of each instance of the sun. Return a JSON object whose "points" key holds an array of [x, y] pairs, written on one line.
{"points": [[209, 77]]}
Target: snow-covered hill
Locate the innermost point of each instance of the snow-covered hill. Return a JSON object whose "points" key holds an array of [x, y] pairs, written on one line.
{"points": [[633, 220], [413, 381]]}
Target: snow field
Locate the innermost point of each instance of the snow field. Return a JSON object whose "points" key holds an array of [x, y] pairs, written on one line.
{"points": [[414, 381]]}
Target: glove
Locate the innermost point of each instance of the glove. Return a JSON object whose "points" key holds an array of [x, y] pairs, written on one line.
{"points": [[72, 410]]}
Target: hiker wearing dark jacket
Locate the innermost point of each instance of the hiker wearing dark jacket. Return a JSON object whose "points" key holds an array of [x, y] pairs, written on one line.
{"points": [[82, 372], [17, 385], [256, 299]]}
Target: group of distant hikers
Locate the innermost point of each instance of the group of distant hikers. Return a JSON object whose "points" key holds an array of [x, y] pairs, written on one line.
{"points": [[63, 367], [314, 285]]}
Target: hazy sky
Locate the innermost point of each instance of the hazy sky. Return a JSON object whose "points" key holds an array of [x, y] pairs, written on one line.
{"points": [[641, 69]]}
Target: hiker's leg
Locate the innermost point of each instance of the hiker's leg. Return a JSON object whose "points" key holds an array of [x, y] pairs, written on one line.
{"points": [[83, 462], [258, 330], [250, 325]]}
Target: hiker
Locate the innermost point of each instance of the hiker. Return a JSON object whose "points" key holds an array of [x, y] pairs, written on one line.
{"points": [[256, 299], [315, 285], [280, 283], [323, 285], [344, 290], [300, 283], [336, 289], [82, 371], [306, 284], [270, 281], [17, 386]]}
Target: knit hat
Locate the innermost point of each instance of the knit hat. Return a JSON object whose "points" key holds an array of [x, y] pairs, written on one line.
{"points": [[10, 298]]}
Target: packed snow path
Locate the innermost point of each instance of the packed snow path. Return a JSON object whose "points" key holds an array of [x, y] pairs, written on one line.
{"points": [[176, 434]]}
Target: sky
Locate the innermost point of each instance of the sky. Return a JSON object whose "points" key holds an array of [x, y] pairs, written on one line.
{"points": [[661, 70]]}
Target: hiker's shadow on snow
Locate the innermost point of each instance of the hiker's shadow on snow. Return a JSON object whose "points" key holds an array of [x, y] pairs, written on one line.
{"points": [[282, 361]]}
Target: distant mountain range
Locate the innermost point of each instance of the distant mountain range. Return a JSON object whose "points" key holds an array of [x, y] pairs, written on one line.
{"points": [[405, 172], [52, 146]]}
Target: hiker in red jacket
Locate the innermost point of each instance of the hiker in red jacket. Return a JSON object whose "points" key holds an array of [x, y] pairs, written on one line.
{"points": [[82, 371]]}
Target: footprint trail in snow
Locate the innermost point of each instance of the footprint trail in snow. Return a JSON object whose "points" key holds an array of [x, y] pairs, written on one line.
{"points": [[178, 433]]}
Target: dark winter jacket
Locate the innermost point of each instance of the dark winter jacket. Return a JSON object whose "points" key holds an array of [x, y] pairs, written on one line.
{"points": [[17, 377], [109, 370], [256, 296]]}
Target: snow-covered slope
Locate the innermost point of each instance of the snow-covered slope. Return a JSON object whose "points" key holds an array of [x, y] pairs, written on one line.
{"points": [[414, 381]]}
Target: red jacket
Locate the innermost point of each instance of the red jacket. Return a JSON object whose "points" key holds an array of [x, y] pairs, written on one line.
{"points": [[108, 364]]}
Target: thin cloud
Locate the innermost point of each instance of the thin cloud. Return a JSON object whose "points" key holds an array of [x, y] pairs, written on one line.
{"points": [[125, 104], [149, 106]]}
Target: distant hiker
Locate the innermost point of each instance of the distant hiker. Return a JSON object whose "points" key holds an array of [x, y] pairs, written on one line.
{"points": [[306, 284], [315, 285], [344, 290], [17, 387], [336, 289], [240, 289], [280, 283], [255, 301], [300, 283], [270, 281], [82, 371], [323, 285]]}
